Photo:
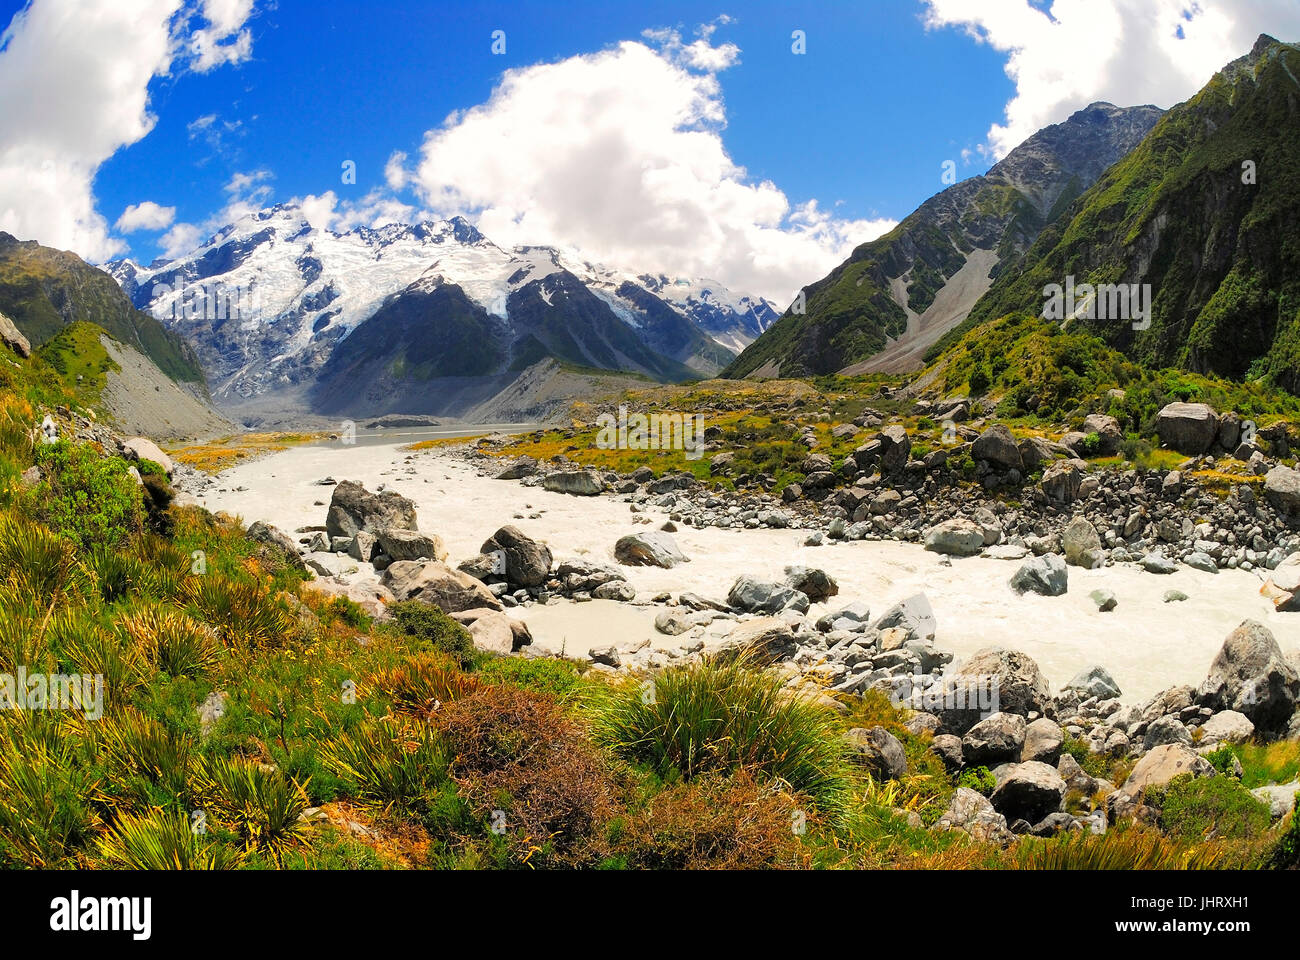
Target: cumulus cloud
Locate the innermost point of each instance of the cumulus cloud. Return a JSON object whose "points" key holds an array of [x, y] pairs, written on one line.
{"points": [[246, 192], [619, 156], [376, 209], [145, 216], [74, 89], [1128, 52]]}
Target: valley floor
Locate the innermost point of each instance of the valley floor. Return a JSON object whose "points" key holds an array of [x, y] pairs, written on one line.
{"points": [[1148, 645]]}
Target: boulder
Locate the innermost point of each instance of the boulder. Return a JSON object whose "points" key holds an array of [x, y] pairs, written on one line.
{"points": [[1282, 488], [758, 596], [398, 544], [1062, 481], [1251, 676], [12, 337], [619, 590], [1020, 685], [1029, 791], [1045, 575], [1081, 544], [1190, 428], [997, 446], [1227, 726], [1162, 764], [275, 540], [654, 548], [139, 448], [817, 585], [971, 813], [527, 562], [957, 537], [1283, 585], [914, 614], [1166, 730], [879, 750], [768, 639], [1107, 430], [364, 546], [525, 466], [578, 483], [1094, 682], [994, 740], [493, 631], [437, 584], [1043, 741], [1280, 798], [895, 449], [353, 508]]}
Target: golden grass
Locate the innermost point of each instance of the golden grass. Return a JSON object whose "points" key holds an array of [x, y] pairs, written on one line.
{"points": [[218, 455]]}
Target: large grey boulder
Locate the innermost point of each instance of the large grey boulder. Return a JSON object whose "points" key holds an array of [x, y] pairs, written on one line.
{"points": [[957, 537], [1043, 741], [1190, 428], [997, 739], [768, 639], [1107, 430], [275, 540], [915, 615], [758, 596], [525, 466], [1020, 685], [1251, 676], [493, 631], [437, 584], [1283, 585], [1045, 575], [654, 548], [398, 544], [141, 448], [1227, 726], [1029, 791], [816, 584], [998, 447], [353, 508], [895, 448], [1063, 480], [1162, 764], [879, 750], [12, 337], [579, 483], [1094, 682], [528, 562], [1081, 544], [971, 813], [1282, 488]]}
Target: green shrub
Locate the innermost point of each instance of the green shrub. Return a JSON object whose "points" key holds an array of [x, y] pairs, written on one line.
{"points": [[979, 779], [1209, 808], [434, 630], [89, 498], [1285, 854], [559, 678]]}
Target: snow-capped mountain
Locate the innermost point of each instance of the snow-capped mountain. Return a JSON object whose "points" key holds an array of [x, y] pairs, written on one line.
{"points": [[273, 306]]}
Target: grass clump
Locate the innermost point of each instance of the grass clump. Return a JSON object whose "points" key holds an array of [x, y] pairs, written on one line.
{"points": [[1209, 808]]}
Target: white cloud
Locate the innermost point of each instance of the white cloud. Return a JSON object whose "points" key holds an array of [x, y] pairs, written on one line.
{"points": [[375, 209], [245, 193], [395, 173], [1127, 52], [74, 89], [619, 156], [145, 216]]}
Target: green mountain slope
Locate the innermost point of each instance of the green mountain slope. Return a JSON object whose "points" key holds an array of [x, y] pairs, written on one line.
{"points": [[44, 290], [884, 290], [1221, 253]]}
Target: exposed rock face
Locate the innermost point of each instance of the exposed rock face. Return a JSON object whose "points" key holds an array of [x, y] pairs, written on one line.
{"points": [[757, 596], [957, 537], [1030, 791], [1189, 428], [579, 483], [275, 540], [880, 751], [998, 447], [1045, 575], [400, 544], [651, 549], [436, 583], [354, 508], [525, 466], [12, 338], [1251, 676], [1061, 481], [139, 448], [997, 739], [1081, 544], [1282, 488], [1162, 764], [528, 563], [817, 585]]}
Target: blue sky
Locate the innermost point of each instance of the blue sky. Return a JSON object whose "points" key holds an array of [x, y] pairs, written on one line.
{"points": [[866, 117], [706, 147]]}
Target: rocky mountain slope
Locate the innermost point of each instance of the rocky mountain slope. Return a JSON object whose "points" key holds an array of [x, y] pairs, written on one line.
{"points": [[900, 293], [434, 314], [1204, 210]]}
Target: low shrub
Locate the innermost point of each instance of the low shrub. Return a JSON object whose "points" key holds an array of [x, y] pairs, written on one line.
{"points": [[429, 626], [1209, 808]]}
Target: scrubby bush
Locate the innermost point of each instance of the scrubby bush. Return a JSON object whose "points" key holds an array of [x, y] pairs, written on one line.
{"points": [[87, 497], [1209, 808], [433, 629], [979, 779]]}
